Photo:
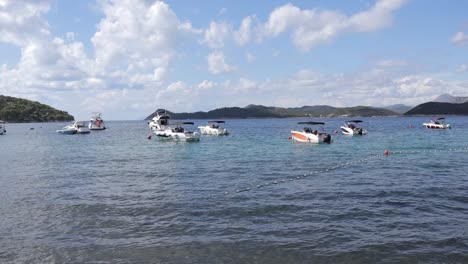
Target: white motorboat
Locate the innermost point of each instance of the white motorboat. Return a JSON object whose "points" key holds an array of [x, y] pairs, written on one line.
{"points": [[437, 123], [213, 128], [162, 129], [2, 127], [75, 128], [96, 122], [81, 127], [350, 128], [307, 135], [68, 130]]}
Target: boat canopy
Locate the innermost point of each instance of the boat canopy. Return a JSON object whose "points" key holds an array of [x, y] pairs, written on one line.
{"points": [[183, 123], [438, 118], [311, 123], [354, 121], [217, 121]]}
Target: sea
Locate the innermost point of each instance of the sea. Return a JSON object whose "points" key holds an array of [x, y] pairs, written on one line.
{"points": [[254, 196]]}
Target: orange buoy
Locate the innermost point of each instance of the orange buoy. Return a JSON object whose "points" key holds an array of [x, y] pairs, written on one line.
{"points": [[386, 152]]}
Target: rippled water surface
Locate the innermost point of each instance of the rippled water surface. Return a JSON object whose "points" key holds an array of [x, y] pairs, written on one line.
{"points": [[116, 197]]}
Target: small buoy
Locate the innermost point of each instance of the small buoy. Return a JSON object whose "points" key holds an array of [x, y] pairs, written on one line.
{"points": [[289, 137], [334, 131], [149, 136], [386, 152]]}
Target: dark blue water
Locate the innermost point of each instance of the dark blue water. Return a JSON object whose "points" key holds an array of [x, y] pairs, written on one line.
{"points": [[116, 197]]}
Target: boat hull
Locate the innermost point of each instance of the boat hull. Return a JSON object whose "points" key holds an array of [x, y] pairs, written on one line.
{"points": [[177, 136], [207, 130], [304, 137], [352, 132], [67, 132], [436, 126]]}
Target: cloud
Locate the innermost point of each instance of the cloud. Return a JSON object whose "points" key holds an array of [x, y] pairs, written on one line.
{"points": [[310, 28], [243, 35], [21, 21], [216, 34], [217, 64], [460, 38], [250, 57], [134, 44], [205, 84], [462, 68]]}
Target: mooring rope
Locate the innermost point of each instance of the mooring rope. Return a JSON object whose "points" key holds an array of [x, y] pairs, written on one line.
{"points": [[344, 164]]}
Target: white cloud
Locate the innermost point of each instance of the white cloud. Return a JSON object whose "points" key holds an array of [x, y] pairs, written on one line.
{"points": [[250, 57], [217, 63], [205, 84], [460, 38], [216, 34], [462, 68], [243, 35], [21, 21], [312, 27], [133, 48]]}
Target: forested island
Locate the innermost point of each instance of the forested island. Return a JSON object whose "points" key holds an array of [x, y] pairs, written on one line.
{"points": [[436, 108], [259, 111], [18, 110]]}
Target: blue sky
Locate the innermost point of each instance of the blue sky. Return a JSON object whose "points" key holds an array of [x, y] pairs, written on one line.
{"points": [[127, 58]]}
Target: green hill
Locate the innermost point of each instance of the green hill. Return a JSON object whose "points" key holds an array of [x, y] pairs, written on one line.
{"points": [[435, 108], [259, 111], [19, 110]]}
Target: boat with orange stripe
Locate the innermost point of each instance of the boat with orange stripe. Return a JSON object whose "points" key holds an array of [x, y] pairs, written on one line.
{"points": [[308, 135]]}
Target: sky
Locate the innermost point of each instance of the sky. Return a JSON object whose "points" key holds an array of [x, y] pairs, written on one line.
{"points": [[127, 58]]}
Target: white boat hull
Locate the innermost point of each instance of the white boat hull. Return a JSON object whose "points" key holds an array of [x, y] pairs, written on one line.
{"points": [[208, 130], [304, 137], [177, 136], [436, 126], [67, 131], [351, 132]]}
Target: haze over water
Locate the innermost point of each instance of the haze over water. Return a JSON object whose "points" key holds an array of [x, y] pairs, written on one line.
{"points": [[116, 197]]}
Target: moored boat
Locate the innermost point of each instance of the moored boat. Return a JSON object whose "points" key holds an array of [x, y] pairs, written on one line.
{"points": [[350, 128], [160, 126], [213, 128], [308, 135], [78, 127], [96, 122], [437, 123]]}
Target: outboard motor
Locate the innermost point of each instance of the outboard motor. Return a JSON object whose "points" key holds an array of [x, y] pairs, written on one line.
{"points": [[327, 139]]}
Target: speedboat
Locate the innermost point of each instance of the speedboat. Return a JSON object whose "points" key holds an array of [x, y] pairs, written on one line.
{"points": [[96, 122], [68, 130], [2, 127], [75, 128], [213, 128], [81, 127], [437, 123], [350, 128], [307, 135], [162, 129]]}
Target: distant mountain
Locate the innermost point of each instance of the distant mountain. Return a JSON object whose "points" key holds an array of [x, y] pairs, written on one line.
{"points": [[447, 98], [436, 108], [398, 108], [260, 111], [14, 109]]}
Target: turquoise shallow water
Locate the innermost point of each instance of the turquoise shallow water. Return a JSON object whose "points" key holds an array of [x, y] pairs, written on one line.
{"points": [[116, 197]]}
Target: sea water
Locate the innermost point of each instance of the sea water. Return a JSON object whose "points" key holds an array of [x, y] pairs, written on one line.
{"points": [[114, 196]]}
